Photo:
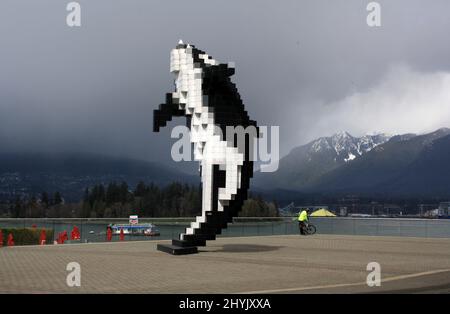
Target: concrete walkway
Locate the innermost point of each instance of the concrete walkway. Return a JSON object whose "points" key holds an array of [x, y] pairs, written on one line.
{"points": [[265, 264]]}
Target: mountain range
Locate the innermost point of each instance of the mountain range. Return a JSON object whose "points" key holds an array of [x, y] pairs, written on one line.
{"points": [[384, 165], [305, 164], [70, 174], [406, 165]]}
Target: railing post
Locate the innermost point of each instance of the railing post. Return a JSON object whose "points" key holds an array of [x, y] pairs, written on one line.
{"points": [[81, 230], [354, 226], [54, 231], [377, 229]]}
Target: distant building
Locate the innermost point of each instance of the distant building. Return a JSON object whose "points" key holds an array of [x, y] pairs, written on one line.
{"points": [[432, 213], [444, 209], [310, 207], [426, 208], [291, 209], [392, 210], [343, 211]]}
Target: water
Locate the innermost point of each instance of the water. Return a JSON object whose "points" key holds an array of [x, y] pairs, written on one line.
{"points": [[94, 230]]}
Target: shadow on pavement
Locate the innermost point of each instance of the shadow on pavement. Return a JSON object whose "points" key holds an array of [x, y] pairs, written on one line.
{"points": [[246, 248]]}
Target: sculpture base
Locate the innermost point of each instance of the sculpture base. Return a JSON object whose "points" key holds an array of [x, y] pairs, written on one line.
{"points": [[176, 250], [193, 242]]}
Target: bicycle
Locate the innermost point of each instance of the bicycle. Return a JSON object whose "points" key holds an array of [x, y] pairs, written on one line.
{"points": [[309, 229]]}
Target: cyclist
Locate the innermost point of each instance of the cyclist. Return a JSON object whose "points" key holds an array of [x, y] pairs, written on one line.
{"points": [[302, 221]]}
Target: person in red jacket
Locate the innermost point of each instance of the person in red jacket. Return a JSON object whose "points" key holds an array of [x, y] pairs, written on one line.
{"points": [[10, 240], [122, 235], [108, 233], [43, 237], [75, 234]]}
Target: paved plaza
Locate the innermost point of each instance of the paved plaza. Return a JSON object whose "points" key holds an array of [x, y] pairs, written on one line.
{"points": [[264, 264]]}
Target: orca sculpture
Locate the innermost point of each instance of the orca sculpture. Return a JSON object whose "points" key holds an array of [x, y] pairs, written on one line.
{"points": [[210, 101]]}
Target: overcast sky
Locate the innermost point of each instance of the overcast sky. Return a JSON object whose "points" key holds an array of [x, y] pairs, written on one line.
{"points": [[311, 67]]}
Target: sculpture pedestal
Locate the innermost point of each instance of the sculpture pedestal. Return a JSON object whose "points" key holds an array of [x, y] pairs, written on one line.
{"points": [[176, 250]]}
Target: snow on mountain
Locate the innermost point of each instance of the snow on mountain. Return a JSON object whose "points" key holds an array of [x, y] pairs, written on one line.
{"points": [[307, 163], [345, 146], [350, 157], [320, 145], [401, 165]]}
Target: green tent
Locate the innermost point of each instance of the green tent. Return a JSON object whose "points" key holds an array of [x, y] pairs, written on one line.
{"points": [[322, 213]]}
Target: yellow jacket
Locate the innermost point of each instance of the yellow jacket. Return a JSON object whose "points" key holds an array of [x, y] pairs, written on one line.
{"points": [[303, 216]]}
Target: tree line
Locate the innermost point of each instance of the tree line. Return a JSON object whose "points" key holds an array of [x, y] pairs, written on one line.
{"points": [[35, 207], [119, 200]]}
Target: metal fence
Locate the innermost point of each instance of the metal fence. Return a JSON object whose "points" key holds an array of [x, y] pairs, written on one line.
{"points": [[94, 230]]}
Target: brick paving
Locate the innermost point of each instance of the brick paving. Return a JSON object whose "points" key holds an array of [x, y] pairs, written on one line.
{"points": [[320, 263]]}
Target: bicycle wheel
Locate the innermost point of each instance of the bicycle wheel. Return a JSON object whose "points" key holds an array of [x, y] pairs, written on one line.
{"points": [[311, 229]]}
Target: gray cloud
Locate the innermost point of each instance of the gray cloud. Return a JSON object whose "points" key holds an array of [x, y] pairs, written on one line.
{"points": [[303, 65], [403, 101]]}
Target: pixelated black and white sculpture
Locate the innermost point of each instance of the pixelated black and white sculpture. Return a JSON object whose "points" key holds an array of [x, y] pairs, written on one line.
{"points": [[209, 99]]}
